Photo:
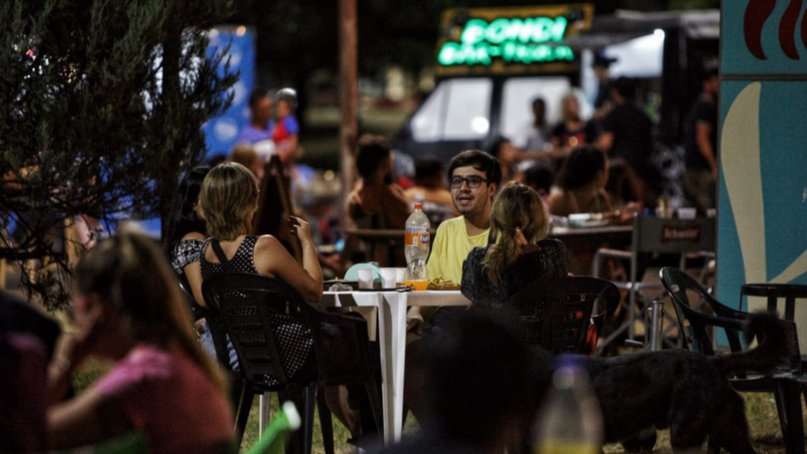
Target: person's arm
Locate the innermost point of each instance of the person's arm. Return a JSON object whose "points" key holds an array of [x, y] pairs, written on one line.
{"points": [[395, 206], [703, 133], [288, 152], [557, 204], [193, 273], [605, 141], [605, 201], [272, 258], [88, 418]]}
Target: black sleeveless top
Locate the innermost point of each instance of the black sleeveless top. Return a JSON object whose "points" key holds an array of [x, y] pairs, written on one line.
{"points": [[295, 339], [242, 262]]}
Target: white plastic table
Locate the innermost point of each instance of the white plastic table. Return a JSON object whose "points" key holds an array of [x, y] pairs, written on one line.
{"points": [[392, 339]]}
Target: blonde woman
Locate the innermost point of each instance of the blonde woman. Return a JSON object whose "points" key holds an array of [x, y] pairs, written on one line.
{"points": [[521, 254], [128, 309], [228, 201], [573, 130]]}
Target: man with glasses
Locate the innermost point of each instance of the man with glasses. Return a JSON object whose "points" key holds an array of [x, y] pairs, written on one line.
{"points": [[474, 176]]}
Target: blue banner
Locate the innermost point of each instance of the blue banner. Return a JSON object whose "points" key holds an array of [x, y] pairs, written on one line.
{"points": [[222, 131]]}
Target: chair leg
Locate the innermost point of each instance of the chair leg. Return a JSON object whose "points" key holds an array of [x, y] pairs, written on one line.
{"points": [[303, 398], [325, 422], [788, 406], [374, 397], [310, 396], [264, 409], [242, 398]]}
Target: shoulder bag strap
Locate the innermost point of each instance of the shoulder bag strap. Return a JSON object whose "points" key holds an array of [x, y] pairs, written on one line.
{"points": [[220, 254]]}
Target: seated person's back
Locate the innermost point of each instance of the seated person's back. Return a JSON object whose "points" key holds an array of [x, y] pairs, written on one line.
{"points": [[521, 255]]}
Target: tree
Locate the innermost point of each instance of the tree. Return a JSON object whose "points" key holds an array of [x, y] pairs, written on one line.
{"points": [[102, 105]]}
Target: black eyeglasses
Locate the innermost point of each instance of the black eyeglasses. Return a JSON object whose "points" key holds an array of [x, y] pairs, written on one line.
{"points": [[473, 181]]}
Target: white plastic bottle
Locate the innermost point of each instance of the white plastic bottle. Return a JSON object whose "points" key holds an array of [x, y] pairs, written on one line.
{"points": [[570, 420], [416, 248]]}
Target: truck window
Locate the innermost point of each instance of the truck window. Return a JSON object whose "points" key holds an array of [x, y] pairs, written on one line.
{"points": [[458, 109], [518, 93]]}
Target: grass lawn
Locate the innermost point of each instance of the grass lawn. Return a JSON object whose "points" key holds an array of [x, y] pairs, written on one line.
{"points": [[760, 410]]}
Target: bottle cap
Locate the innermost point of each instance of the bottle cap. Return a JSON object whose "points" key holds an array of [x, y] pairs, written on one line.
{"points": [[418, 205]]}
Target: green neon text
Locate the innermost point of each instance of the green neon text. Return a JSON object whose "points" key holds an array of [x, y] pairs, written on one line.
{"points": [[513, 40]]}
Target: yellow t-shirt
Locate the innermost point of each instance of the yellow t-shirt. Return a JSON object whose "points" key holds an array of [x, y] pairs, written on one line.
{"points": [[450, 248]]}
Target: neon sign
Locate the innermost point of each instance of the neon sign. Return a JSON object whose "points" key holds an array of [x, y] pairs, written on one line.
{"points": [[512, 40]]}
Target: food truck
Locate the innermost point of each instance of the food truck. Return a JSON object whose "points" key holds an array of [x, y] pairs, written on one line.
{"points": [[491, 62]]}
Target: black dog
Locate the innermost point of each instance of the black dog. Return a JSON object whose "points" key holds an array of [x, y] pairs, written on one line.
{"points": [[685, 391]]}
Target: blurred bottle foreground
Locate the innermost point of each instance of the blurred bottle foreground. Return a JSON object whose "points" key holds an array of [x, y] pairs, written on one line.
{"points": [[570, 420]]}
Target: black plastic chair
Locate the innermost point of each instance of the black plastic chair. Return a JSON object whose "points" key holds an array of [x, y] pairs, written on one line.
{"points": [[696, 326], [251, 310], [556, 314], [774, 293], [652, 235]]}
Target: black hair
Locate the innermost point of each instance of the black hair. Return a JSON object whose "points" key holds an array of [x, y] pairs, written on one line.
{"points": [[626, 87], [479, 378], [183, 218], [427, 167], [371, 153], [539, 176], [496, 146], [256, 95], [538, 100], [581, 167], [479, 160]]}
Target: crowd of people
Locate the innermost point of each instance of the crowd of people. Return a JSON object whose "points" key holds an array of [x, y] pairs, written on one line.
{"points": [[492, 211]]}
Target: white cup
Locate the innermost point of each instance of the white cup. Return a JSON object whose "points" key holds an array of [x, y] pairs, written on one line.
{"points": [[400, 275], [388, 277], [686, 213], [366, 277]]}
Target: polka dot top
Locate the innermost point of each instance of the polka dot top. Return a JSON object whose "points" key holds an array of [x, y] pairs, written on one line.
{"points": [[242, 262], [295, 340]]}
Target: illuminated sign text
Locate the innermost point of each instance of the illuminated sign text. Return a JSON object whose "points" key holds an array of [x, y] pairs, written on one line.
{"points": [[513, 40]]}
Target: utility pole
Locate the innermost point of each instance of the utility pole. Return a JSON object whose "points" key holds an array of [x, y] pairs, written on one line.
{"points": [[348, 96]]}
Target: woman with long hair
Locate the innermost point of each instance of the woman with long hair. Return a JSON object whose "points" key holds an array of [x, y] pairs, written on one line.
{"points": [[128, 308], [228, 202], [186, 229], [521, 253]]}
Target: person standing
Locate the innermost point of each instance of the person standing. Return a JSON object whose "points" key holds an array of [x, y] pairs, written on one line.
{"points": [[628, 140], [573, 130], [259, 130], [603, 103], [532, 140], [701, 147]]}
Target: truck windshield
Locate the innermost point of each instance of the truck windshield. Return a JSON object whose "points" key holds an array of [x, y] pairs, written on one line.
{"points": [[459, 109]]}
